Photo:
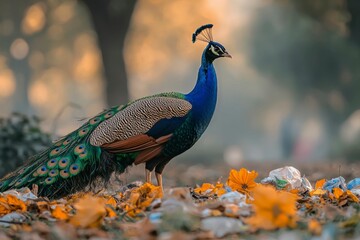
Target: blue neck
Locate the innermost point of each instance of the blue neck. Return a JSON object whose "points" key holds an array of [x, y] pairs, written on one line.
{"points": [[204, 95]]}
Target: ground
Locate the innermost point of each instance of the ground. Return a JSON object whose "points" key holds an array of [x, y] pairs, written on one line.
{"points": [[199, 201]]}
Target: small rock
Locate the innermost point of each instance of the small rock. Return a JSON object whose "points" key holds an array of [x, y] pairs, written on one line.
{"points": [[222, 226], [233, 197], [5, 221]]}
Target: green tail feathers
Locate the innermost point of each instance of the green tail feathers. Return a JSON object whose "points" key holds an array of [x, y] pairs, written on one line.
{"points": [[67, 166]]}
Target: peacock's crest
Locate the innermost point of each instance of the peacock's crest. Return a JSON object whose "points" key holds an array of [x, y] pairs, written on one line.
{"points": [[203, 33]]}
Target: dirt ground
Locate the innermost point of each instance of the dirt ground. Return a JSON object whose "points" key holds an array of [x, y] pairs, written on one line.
{"points": [[177, 174]]}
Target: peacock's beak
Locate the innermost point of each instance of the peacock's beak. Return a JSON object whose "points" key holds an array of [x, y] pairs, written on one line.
{"points": [[226, 55]]}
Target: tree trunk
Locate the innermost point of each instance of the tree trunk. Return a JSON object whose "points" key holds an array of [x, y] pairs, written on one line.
{"points": [[111, 19]]}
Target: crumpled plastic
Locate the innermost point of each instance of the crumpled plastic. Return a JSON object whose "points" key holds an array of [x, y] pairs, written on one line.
{"points": [[338, 182], [354, 184], [22, 194], [287, 177]]}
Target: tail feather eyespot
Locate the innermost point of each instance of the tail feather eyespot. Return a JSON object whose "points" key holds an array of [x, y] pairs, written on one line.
{"points": [[54, 173], [75, 169], [82, 132], [94, 120], [50, 180], [52, 162], [55, 151], [64, 173], [79, 149], [67, 141], [64, 162], [19, 182], [83, 155], [108, 115], [58, 143], [42, 171]]}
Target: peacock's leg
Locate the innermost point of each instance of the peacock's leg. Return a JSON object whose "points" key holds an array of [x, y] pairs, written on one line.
{"points": [[159, 169], [148, 175], [159, 180]]}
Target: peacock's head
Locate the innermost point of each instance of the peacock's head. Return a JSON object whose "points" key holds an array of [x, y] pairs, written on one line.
{"points": [[213, 50]]}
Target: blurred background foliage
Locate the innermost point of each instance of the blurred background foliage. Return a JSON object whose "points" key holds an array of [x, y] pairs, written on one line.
{"points": [[290, 91], [21, 137]]}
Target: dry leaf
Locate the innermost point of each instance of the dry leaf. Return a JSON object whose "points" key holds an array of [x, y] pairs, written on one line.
{"points": [[59, 213], [90, 211]]}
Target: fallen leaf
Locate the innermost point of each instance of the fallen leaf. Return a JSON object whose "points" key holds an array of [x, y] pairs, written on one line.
{"points": [[59, 213], [90, 211]]}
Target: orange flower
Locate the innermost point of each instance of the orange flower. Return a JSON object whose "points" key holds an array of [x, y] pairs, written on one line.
{"points": [[273, 209], [242, 181]]}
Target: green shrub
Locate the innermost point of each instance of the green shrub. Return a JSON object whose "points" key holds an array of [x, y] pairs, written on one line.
{"points": [[20, 138]]}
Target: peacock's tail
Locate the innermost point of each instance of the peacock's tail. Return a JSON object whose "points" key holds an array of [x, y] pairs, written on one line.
{"points": [[70, 165]]}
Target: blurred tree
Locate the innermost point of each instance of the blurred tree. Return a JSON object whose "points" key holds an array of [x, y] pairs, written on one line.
{"points": [[15, 46], [111, 19]]}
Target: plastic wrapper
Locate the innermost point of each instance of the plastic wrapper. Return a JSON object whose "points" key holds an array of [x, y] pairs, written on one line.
{"points": [[338, 182], [287, 177], [354, 184]]}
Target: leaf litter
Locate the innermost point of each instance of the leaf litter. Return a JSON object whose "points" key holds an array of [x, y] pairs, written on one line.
{"points": [[282, 205]]}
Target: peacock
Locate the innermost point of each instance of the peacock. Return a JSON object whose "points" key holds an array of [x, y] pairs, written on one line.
{"points": [[150, 130]]}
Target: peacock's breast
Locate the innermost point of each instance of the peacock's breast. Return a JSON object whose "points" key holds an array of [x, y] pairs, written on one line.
{"points": [[183, 138]]}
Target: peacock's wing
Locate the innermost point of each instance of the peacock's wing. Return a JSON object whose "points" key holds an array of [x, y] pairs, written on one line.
{"points": [[143, 127]]}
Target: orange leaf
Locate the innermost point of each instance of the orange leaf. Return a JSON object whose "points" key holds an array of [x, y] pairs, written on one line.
{"points": [[352, 196], [111, 201], [15, 203], [338, 193], [4, 207], [204, 189], [90, 211], [59, 213], [314, 227], [318, 192], [110, 212], [320, 183]]}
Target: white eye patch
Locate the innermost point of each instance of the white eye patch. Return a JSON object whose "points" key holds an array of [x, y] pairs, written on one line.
{"points": [[216, 51]]}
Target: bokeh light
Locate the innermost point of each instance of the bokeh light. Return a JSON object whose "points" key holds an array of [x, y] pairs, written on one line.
{"points": [[19, 48]]}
